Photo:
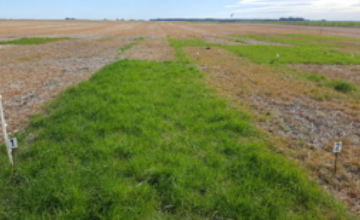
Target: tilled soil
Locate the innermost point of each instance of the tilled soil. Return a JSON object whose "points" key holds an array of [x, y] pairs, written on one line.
{"points": [[33, 75], [302, 127]]}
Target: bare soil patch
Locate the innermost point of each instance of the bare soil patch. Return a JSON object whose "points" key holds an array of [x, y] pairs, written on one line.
{"points": [[285, 109]]}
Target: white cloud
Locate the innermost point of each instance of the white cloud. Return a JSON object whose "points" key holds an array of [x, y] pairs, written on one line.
{"points": [[310, 9]]}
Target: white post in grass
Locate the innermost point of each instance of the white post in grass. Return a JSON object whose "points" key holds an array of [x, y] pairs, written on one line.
{"points": [[6, 138]]}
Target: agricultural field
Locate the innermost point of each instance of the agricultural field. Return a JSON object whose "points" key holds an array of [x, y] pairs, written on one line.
{"points": [[161, 120]]}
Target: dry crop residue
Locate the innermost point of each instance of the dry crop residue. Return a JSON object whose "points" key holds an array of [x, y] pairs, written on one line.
{"points": [[34, 74], [285, 108]]}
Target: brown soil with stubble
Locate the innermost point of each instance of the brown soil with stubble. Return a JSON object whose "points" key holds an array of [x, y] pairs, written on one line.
{"points": [[33, 75], [350, 73], [155, 48], [285, 108]]}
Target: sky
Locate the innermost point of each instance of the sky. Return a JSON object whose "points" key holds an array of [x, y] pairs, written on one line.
{"points": [[147, 9]]}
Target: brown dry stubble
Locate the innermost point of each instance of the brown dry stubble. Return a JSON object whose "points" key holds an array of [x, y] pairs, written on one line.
{"points": [[285, 109]]}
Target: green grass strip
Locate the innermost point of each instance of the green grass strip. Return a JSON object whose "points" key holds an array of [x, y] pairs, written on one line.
{"points": [[148, 140], [33, 41]]}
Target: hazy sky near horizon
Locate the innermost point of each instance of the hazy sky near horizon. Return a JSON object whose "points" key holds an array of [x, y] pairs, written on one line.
{"points": [[146, 9]]}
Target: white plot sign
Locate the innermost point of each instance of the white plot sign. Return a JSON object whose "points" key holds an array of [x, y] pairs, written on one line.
{"points": [[337, 147], [11, 143]]}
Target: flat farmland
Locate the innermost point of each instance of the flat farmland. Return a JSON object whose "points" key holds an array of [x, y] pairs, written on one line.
{"points": [[289, 93]]}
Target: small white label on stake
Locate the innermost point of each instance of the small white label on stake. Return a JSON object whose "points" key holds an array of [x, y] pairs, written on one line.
{"points": [[337, 147], [12, 143]]}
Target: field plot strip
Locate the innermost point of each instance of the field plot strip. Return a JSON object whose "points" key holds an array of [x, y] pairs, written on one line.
{"points": [[150, 140]]}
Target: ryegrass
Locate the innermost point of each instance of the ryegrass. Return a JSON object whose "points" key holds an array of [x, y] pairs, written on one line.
{"points": [[33, 41], [290, 55], [148, 140]]}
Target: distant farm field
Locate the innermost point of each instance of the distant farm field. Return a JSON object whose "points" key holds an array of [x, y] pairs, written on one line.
{"points": [[162, 120]]}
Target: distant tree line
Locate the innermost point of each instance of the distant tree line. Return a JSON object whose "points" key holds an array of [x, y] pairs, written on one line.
{"points": [[292, 19], [209, 19]]}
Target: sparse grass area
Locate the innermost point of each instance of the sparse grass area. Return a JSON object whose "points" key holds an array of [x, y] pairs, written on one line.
{"points": [[129, 46], [288, 41], [148, 140], [33, 41], [288, 55], [315, 77], [237, 41]]}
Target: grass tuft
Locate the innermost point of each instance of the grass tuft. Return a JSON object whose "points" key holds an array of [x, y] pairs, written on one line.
{"points": [[342, 86]]}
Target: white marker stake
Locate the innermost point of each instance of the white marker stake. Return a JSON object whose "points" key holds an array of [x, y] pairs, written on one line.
{"points": [[337, 150], [9, 150]]}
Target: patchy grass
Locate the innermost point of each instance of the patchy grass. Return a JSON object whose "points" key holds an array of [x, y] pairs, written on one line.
{"points": [[148, 140], [287, 41], [238, 41], [33, 41], [179, 44], [315, 77], [129, 46]]}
